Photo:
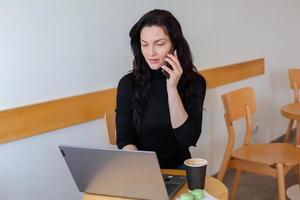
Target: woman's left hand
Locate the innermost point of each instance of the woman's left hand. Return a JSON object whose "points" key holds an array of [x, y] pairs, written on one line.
{"points": [[174, 73]]}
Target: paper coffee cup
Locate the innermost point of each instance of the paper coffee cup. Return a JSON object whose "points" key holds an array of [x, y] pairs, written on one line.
{"points": [[196, 172]]}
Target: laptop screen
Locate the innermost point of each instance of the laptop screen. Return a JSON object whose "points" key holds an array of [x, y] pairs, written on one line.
{"points": [[114, 172]]}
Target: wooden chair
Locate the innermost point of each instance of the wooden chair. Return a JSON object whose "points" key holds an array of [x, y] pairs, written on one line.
{"points": [[294, 78], [274, 159], [110, 121]]}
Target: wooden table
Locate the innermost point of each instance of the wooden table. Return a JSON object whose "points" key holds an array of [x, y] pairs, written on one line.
{"points": [[292, 111], [293, 192], [212, 185]]}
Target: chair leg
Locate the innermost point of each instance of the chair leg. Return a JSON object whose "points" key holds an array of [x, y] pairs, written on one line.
{"points": [[288, 131], [222, 172], [298, 172], [236, 183], [224, 167], [280, 181], [298, 134]]}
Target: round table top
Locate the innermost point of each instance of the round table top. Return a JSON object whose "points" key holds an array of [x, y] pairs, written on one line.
{"points": [[291, 111], [212, 185], [293, 192]]}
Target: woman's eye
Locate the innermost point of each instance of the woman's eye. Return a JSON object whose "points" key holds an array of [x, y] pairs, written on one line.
{"points": [[160, 44], [143, 45]]}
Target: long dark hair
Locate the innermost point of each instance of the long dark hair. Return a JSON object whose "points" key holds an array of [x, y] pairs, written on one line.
{"points": [[188, 87]]}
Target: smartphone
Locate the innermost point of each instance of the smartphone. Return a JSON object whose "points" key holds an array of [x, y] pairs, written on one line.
{"points": [[165, 73]]}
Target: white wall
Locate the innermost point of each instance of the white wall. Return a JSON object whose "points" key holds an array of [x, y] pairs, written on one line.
{"points": [[57, 48]]}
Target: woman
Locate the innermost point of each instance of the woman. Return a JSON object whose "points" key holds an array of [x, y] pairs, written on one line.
{"points": [[159, 107]]}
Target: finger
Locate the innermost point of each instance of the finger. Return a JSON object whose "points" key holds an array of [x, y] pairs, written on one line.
{"points": [[176, 60], [173, 64], [167, 69], [176, 68]]}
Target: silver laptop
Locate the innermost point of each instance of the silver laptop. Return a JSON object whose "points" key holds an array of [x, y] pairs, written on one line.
{"points": [[133, 174]]}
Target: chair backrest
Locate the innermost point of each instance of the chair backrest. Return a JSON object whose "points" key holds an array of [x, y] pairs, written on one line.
{"points": [[294, 78], [239, 104], [110, 121]]}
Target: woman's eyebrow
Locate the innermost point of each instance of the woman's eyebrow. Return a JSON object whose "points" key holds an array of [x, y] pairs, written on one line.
{"points": [[162, 39]]}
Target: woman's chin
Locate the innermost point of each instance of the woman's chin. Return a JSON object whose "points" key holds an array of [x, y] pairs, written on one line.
{"points": [[155, 66]]}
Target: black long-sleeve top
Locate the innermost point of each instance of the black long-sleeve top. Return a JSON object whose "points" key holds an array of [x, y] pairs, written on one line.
{"points": [[156, 134]]}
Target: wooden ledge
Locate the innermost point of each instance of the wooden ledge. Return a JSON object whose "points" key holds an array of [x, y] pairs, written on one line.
{"points": [[39, 118], [235, 72]]}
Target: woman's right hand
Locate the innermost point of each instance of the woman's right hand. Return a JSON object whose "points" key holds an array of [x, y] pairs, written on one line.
{"points": [[176, 71], [130, 147]]}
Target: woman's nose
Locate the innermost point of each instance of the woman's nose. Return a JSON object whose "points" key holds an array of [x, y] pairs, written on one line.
{"points": [[152, 51]]}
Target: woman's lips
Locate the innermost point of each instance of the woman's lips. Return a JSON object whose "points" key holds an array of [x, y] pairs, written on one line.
{"points": [[154, 61]]}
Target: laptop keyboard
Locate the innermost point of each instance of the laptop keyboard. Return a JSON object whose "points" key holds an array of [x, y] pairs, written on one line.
{"points": [[173, 183], [171, 187]]}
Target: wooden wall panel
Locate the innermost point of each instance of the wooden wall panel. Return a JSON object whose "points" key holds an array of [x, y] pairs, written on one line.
{"points": [[31, 120], [39, 118], [235, 72]]}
